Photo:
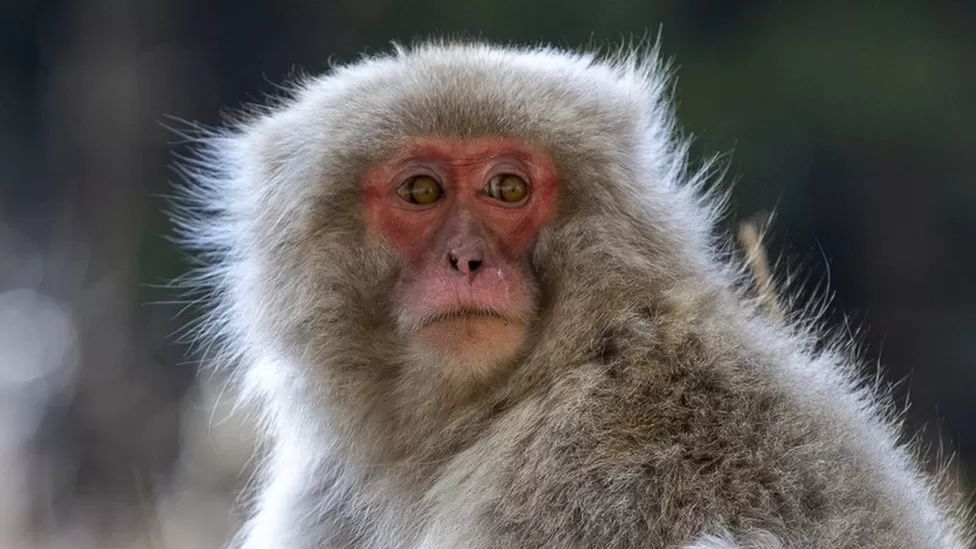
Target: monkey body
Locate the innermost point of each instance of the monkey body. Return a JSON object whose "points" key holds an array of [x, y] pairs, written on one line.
{"points": [[600, 380]]}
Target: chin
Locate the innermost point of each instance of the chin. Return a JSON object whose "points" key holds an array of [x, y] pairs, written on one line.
{"points": [[471, 348]]}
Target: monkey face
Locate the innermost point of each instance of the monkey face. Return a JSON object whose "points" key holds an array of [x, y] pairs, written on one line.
{"points": [[462, 214]]}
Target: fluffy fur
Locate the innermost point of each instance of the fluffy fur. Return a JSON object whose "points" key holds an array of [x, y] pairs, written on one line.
{"points": [[654, 406]]}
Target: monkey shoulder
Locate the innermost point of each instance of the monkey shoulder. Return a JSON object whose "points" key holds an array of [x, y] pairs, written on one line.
{"points": [[659, 439]]}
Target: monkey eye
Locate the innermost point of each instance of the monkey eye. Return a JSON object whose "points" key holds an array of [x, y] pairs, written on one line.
{"points": [[507, 188], [422, 189]]}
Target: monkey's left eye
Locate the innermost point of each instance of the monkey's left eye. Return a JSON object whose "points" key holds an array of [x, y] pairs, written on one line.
{"points": [[508, 188], [422, 189]]}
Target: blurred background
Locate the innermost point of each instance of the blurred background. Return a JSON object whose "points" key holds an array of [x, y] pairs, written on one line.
{"points": [[855, 121]]}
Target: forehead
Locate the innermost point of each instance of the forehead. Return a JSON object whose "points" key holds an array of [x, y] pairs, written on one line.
{"points": [[560, 103], [463, 150]]}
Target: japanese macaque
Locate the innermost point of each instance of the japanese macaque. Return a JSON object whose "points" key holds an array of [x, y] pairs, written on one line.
{"points": [[480, 302]]}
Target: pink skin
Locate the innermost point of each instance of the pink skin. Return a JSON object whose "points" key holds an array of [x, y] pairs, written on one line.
{"points": [[465, 251]]}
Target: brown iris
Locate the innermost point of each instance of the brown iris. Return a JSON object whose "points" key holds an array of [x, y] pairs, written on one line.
{"points": [[422, 189]]}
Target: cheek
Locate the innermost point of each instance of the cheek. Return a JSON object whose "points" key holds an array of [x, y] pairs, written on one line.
{"points": [[519, 237], [516, 233], [409, 232]]}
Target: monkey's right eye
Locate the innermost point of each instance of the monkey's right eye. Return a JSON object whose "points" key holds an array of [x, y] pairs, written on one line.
{"points": [[422, 189]]}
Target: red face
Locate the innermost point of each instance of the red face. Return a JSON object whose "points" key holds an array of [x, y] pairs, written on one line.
{"points": [[462, 213]]}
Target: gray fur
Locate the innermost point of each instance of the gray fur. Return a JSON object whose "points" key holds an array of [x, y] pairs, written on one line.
{"points": [[655, 406]]}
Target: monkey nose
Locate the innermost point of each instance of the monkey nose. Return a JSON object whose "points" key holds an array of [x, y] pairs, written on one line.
{"points": [[465, 262]]}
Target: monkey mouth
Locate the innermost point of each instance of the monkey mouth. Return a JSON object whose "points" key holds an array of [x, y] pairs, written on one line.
{"points": [[463, 313]]}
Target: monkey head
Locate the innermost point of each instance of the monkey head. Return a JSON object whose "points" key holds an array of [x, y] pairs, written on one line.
{"points": [[442, 213]]}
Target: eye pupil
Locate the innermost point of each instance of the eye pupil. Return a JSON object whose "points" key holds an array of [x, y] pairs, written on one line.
{"points": [[421, 190], [507, 188]]}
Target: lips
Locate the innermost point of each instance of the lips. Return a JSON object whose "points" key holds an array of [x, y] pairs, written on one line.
{"points": [[451, 307], [465, 313]]}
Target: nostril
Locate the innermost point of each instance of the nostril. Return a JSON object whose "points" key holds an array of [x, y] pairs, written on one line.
{"points": [[462, 264]]}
